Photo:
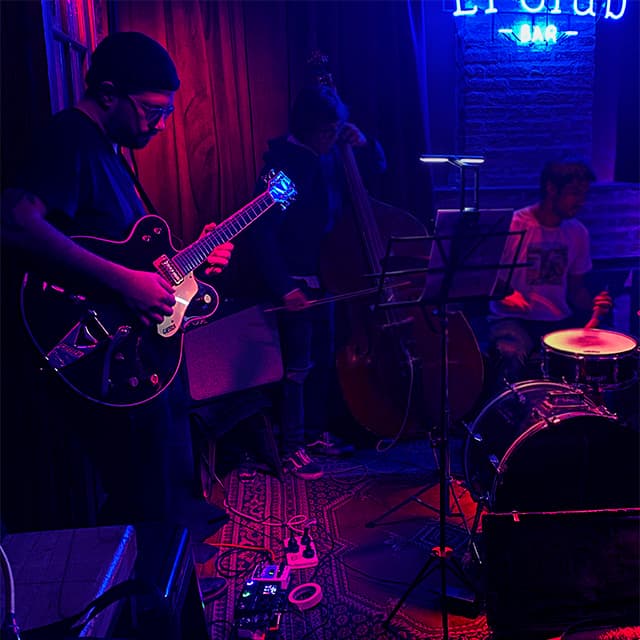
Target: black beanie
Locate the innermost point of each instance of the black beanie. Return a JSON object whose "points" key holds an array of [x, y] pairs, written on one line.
{"points": [[134, 62]]}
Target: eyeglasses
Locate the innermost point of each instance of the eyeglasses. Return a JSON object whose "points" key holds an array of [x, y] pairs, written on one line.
{"points": [[152, 115]]}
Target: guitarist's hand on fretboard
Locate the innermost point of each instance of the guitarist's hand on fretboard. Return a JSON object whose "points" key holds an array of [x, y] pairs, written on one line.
{"points": [[218, 259], [148, 294]]}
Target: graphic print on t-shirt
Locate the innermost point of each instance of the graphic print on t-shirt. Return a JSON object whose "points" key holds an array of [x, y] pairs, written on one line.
{"points": [[549, 263]]}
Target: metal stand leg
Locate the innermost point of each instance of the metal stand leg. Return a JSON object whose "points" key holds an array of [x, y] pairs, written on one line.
{"points": [[442, 553], [415, 497]]}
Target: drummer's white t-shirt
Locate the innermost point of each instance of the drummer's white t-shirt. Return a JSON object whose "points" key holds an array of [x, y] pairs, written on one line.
{"points": [[554, 253]]}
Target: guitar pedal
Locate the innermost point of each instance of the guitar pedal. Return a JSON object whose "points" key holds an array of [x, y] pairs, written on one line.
{"points": [[259, 607]]}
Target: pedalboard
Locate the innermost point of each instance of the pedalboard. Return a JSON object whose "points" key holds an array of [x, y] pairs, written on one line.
{"points": [[259, 608], [265, 597], [278, 573]]}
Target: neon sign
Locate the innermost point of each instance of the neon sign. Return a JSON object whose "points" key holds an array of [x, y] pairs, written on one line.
{"points": [[613, 9], [526, 33]]}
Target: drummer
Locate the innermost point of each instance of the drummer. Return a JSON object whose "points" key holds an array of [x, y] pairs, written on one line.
{"points": [[549, 294]]}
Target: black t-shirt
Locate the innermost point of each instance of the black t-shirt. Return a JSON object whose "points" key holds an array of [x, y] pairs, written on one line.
{"points": [[77, 173]]}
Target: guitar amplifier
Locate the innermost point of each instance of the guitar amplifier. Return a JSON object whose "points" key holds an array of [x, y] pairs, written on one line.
{"points": [[549, 571], [238, 351], [58, 573]]}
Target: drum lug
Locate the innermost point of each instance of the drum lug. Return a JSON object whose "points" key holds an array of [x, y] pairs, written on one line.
{"points": [[512, 387], [605, 411]]}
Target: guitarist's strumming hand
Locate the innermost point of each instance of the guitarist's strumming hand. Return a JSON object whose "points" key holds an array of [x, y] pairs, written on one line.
{"points": [[148, 294], [218, 259]]}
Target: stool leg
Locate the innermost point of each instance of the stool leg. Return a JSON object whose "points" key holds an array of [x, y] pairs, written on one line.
{"points": [[272, 445]]}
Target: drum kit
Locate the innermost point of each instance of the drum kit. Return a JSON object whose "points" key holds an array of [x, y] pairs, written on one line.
{"points": [[568, 441]]}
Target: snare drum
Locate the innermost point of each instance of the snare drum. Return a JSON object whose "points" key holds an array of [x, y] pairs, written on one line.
{"points": [[594, 357]]}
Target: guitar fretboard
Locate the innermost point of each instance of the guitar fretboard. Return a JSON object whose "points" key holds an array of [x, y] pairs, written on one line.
{"points": [[196, 253]]}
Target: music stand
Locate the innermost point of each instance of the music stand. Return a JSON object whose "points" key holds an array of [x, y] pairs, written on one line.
{"points": [[495, 222], [466, 263]]}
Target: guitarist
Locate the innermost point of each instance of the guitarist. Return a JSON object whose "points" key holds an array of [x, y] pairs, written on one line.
{"points": [[78, 183]]}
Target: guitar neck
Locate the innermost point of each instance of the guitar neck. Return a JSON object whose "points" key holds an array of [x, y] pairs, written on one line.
{"points": [[196, 253]]}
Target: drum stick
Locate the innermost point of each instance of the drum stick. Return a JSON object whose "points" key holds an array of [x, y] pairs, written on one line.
{"points": [[598, 312]]}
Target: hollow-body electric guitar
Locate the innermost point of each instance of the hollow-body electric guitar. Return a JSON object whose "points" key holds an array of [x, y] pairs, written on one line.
{"points": [[97, 346]]}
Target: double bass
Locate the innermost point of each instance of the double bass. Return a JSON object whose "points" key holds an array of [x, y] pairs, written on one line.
{"points": [[389, 362]]}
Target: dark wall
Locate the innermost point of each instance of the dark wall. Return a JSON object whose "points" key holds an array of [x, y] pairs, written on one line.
{"points": [[24, 82]]}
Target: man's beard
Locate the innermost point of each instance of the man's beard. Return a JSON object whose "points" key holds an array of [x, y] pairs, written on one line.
{"points": [[137, 142]]}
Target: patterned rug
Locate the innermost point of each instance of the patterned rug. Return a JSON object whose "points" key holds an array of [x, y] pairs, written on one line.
{"points": [[363, 570]]}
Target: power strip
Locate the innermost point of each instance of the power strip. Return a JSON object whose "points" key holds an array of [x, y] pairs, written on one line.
{"points": [[297, 559]]}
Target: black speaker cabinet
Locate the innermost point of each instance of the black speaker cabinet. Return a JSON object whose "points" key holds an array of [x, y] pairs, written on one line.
{"points": [[165, 559], [58, 573], [549, 571], [238, 351]]}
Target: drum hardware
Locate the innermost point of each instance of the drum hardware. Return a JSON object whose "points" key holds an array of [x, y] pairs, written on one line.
{"points": [[601, 363], [513, 388], [559, 450]]}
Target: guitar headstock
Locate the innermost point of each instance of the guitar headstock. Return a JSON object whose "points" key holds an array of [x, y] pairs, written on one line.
{"points": [[281, 189]]}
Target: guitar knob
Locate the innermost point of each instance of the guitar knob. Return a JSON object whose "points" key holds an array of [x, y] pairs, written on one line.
{"points": [[154, 379], [206, 298], [133, 382]]}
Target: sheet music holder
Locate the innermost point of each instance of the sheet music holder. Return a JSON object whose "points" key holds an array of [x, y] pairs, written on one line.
{"points": [[471, 256]]}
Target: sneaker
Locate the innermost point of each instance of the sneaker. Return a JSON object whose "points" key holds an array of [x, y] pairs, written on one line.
{"points": [[330, 445], [301, 465]]}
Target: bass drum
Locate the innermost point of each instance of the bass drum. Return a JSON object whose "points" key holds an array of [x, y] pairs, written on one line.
{"points": [[545, 446]]}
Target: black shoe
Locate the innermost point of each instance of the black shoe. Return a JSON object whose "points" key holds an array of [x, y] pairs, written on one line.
{"points": [[213, 588]]}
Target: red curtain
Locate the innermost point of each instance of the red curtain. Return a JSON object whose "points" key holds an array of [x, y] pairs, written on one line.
{"points": [[240, 63]]}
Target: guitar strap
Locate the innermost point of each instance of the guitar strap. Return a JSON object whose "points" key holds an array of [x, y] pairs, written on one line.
{"points": [[133, 172]]}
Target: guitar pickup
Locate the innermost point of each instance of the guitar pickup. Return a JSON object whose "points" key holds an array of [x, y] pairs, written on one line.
{"points": [[169, 270]]}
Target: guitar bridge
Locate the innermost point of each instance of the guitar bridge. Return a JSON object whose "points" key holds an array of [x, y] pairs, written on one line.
{"points": [[169, 270], [81, 340]]}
